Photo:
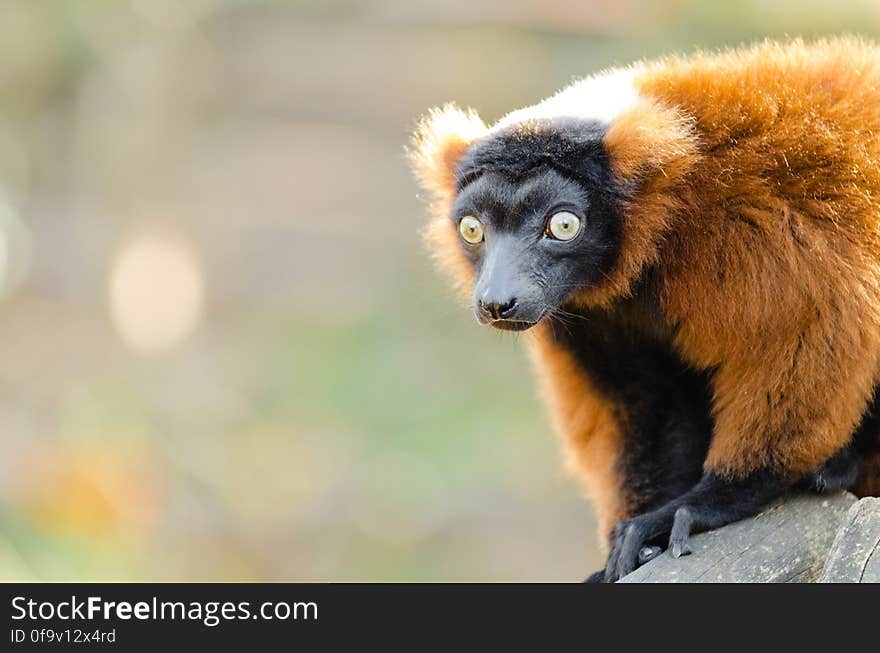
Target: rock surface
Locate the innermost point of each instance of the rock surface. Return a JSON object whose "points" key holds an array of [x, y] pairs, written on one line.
{"points": [[786, 543], [855, 553]]}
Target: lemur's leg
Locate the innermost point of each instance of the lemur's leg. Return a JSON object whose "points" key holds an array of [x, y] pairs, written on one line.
{"points": [[722, 497], [771, 433], [714, 502], [793, 342], [711, 503]]}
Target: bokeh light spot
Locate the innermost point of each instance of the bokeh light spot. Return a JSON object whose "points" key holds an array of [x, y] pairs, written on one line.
{"points": [[156, 292]]}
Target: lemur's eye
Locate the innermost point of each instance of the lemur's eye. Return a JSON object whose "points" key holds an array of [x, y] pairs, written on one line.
{"points": [[471, 230], [563, 225]]}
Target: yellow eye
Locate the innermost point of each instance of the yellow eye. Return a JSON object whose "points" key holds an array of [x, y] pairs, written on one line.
{"points": [[471, 230], [563, 225]]}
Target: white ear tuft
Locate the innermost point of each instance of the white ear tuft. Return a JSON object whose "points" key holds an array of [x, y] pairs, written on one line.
{"points": [[438, 143]]}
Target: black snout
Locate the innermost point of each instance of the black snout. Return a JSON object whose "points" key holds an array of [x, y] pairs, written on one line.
{"points": [[492, 310], [505, 296]]}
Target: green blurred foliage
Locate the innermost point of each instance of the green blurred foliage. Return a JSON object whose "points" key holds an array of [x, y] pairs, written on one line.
{"points": [[332, 413]]}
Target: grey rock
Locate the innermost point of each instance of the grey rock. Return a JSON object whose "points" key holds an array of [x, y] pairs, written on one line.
{"points": [[855, 553], [786, 543]]}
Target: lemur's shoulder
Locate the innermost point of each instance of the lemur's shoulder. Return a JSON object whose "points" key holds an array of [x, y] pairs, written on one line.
{"points": [[793, 121], [747, 90]]}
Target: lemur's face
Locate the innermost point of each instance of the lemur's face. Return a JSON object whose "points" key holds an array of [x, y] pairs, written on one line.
{"points": [[556, 207], [533, 240]]}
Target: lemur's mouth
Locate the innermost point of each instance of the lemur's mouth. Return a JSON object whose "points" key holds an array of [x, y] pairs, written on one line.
{"points": [[509, 324], [512, 325]]}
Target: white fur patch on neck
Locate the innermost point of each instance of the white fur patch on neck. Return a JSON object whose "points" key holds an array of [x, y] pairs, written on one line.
{"points": [[601, 97]]}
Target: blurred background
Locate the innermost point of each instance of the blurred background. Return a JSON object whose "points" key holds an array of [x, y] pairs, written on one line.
{"points": [[225, 353]]}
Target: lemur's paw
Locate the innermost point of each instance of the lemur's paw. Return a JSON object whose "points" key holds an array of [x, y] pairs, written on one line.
{"points": [[646, 554], [839, 473], [633, 542], [628, 540]]}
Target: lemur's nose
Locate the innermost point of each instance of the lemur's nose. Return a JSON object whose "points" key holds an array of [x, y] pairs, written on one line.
{"points": [[498, 310]]}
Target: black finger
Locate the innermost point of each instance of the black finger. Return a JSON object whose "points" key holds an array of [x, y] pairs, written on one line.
{"points": [[681, 531]]}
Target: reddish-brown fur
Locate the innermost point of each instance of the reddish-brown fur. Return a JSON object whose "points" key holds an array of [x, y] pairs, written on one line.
{"points": [[758, 200]]}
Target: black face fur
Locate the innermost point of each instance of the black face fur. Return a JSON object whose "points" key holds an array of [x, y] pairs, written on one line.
{"points": [[513, 183]]}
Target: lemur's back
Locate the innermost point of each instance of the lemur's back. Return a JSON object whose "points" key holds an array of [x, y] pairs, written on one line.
{"points": [[790, 121]]}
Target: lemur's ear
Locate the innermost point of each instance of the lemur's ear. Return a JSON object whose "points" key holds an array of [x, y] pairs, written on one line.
{"points": [[438, 143], [648, 140]]}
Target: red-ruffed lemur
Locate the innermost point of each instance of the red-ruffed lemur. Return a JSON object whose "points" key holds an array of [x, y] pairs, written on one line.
{"points": [[695, 246]]}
